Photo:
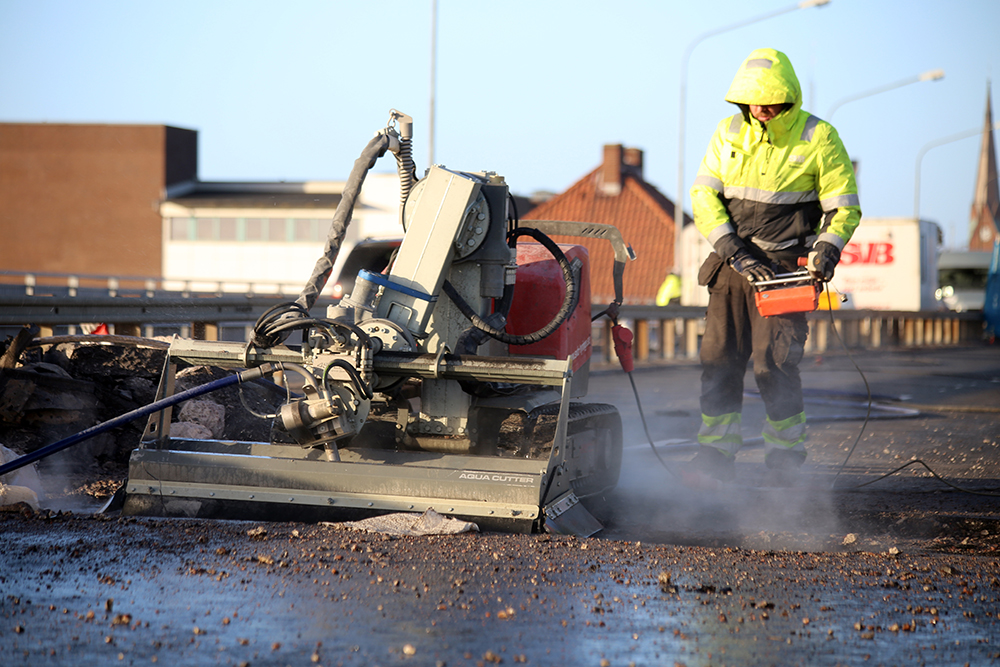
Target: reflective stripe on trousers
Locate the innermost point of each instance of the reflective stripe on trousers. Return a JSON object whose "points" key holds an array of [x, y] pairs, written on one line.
{"points": [[735, 332], [786, 434], [723, 432]]}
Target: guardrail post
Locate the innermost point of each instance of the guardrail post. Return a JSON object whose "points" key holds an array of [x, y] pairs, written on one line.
{"points": [[607, 343], [126, 329], [642, 336], [821, 331], [849, 332], [204, 331], [875, 332], [691, 338], [668, 339]]}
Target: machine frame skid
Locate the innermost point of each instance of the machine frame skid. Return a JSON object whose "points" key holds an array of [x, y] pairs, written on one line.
{"points": [[264, 481]]}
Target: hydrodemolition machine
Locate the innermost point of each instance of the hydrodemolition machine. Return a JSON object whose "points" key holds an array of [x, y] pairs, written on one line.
{"points": [[408, 400]]}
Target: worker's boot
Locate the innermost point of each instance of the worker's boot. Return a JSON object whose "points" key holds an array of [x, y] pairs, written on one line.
{"points": [[713, 462], [783, 466]]}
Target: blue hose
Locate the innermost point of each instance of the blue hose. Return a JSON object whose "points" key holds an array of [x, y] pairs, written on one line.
{"points": [[245, 376]]}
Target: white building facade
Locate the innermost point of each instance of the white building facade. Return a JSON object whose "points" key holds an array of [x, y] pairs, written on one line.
{"points": [[265, 237]]}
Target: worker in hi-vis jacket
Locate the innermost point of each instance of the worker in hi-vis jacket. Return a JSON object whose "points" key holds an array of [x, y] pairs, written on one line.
{"points": [[776, 185]]}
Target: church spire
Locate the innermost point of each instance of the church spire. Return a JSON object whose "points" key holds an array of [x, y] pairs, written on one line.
{"points": [[984, 222]]}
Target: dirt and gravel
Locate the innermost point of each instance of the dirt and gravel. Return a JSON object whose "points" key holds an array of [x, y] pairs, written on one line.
{"points": [[901, 571], [95, 590]]}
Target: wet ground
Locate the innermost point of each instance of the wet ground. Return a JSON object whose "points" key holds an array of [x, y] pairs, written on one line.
{"points": [[903, 571], [141, 591], [937, 413]]}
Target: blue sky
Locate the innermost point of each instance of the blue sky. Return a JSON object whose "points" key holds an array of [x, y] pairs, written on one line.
{"points": [[527, 88]]}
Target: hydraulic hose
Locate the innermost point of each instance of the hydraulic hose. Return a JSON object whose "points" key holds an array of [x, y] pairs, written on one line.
{"points": [[375, 149], [387, 139], [215, 385], [569, 302], [407, 171]]}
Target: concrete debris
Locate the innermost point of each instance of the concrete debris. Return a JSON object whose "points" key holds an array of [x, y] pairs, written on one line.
{"points": [[428, 523], [12, 495], [207, 413], [22, 485], [190, 430]]}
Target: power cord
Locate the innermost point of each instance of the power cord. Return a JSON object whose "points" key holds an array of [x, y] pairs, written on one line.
{"points": [[622, 338], [868, 389], [645, 427], [864, 424], [623, 348]]}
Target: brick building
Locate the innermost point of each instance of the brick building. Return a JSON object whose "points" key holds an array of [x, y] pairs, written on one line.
{"points": [[78, 198], [125, 200]]}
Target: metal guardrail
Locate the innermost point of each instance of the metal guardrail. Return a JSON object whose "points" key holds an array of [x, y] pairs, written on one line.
{"points": [[670, 332], [197, 316], [674, 332], [137, 305], [47, 283]]}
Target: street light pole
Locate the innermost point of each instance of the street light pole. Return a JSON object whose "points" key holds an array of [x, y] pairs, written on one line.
{"points": [[679, 200], [934, 144], [430, 147], [929, 75]]}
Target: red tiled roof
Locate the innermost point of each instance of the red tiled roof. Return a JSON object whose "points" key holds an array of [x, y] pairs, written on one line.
{"points": [[643, 215]]}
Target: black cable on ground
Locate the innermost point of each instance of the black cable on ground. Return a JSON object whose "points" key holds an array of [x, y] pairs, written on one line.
{"points": [[865, 423], [645, 427], [868, 389], [933, 474]]}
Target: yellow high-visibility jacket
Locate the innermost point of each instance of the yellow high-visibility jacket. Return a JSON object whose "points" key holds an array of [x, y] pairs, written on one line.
{"points": [[779, 186]]}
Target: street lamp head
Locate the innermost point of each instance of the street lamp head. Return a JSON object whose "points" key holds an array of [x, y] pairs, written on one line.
{"points": [[932, 75], [806, 4]]}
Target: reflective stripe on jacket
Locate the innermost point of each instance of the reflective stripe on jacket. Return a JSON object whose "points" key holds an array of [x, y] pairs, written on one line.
{"points": [[777, 185]]}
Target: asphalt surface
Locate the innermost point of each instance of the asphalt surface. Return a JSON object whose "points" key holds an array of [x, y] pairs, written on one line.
{"points": [[902, 571]]}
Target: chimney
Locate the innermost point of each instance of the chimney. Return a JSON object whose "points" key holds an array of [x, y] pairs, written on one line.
{"points": [[633, 161], [618, 162], [610, 182]]}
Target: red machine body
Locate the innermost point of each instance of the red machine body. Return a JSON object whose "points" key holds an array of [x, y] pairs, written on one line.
{"points": [[538, 295]]}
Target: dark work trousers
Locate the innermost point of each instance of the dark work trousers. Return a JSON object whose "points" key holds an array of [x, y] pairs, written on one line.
{"points": [[735, 332]]}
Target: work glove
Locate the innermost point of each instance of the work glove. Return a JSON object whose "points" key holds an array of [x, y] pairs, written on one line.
{"points": [[732, 249], [750, 267], [822, 260]]}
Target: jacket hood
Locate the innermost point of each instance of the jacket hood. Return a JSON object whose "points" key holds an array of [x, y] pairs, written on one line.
{"points": [[765, 77]]}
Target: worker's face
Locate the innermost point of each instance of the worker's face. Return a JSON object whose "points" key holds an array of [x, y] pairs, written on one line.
{"points": [[765, 112]]}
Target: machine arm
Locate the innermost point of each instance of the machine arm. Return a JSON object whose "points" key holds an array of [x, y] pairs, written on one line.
{"points": [[593, 230]]}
